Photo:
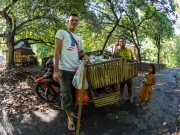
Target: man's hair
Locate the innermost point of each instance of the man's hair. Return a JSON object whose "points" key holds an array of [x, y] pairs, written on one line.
{"points": [[72, 15]]}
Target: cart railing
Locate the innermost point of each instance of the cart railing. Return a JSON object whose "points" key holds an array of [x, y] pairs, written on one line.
{"points": [[105, 73]]}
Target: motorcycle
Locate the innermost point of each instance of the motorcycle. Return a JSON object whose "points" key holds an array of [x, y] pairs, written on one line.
{"points": [[49, 90], [46, 88]]}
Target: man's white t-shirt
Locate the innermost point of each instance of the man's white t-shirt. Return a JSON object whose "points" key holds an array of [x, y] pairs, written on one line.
{"points": [[69, 59]]}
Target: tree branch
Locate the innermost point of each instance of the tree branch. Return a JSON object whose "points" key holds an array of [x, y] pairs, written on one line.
{"points": [[5, 15], [112, 8], [35, 41], [27, 21], [107, 15], [8, 6], [2, 35]]}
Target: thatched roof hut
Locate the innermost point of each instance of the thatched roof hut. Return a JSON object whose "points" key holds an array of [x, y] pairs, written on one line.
{"points": [[22, 52]]}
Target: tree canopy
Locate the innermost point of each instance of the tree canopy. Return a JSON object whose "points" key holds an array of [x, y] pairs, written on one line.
{"points": [[101, 22]]}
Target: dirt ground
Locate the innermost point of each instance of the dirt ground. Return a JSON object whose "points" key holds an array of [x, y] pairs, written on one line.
{"points": [[22, 112]]}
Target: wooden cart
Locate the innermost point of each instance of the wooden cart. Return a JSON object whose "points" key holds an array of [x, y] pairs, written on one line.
{"points": [[110, 72], [106, 73]]}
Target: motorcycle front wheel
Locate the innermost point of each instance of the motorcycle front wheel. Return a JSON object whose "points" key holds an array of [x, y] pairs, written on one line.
{"points": [[46, 94]]}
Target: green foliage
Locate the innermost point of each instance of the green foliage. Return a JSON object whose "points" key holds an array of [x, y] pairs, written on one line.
{"points": [[178, 122], [170, 52], [43, 51], [35, 21], [178, 81], [178, 75], [101, 23]]}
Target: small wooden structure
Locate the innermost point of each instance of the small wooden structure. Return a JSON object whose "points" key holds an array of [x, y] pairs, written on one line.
{"points": [[23, 55]]}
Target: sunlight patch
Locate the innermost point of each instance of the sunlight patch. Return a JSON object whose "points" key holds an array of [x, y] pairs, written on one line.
{"points": [[46, 117], [6, 128], [27, 119], [2, 130], [23, 85]]}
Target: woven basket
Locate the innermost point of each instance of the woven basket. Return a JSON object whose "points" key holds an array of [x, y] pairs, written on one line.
{"points": [[105, 74], [112, 72], [131, 69], [106, 99]]}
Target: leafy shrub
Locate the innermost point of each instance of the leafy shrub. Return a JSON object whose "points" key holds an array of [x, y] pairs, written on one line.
{"points": [[178, 75]]}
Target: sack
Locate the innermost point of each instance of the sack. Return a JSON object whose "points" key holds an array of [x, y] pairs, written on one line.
{"points": [[85, 99], [77, 80]]}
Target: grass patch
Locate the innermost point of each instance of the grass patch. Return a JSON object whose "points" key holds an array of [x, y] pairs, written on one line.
{"points": [[178, 79], [178, 82], [178, 75]]}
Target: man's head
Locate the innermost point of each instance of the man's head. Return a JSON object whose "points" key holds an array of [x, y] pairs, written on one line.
{"points": [[122, 42], [73, 21]]}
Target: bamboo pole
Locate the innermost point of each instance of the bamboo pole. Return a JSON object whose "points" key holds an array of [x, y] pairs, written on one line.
{"points": [[81, 98]]}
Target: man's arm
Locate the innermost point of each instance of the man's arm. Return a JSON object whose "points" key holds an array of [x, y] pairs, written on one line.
{"points": [[57, 52], [84, 56]]}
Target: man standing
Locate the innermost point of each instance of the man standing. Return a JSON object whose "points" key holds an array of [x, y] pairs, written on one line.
{"points": [[124, 51], [66, 62]]}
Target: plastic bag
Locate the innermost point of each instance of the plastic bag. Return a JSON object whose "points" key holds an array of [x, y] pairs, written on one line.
{"points": [[77, 80]]}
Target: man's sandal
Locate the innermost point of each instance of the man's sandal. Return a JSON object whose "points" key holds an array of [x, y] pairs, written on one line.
{"points": [[71, 127]]}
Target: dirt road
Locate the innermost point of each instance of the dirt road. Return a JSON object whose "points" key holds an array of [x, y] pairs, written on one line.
{"points": [[122, 118]]}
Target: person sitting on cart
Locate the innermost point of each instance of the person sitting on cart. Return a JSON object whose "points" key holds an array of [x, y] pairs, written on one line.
{"points": [[126, 52]]}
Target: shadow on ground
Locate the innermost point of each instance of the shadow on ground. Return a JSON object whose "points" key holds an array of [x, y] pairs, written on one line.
{"points": [[121, 118]]}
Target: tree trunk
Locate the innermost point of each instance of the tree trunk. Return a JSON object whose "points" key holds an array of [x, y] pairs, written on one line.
{"points": [[10, 45], [139, 55], [159, 49]]}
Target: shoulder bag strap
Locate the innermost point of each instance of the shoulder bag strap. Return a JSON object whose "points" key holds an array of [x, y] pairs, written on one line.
{"points": [[73, 39]]}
